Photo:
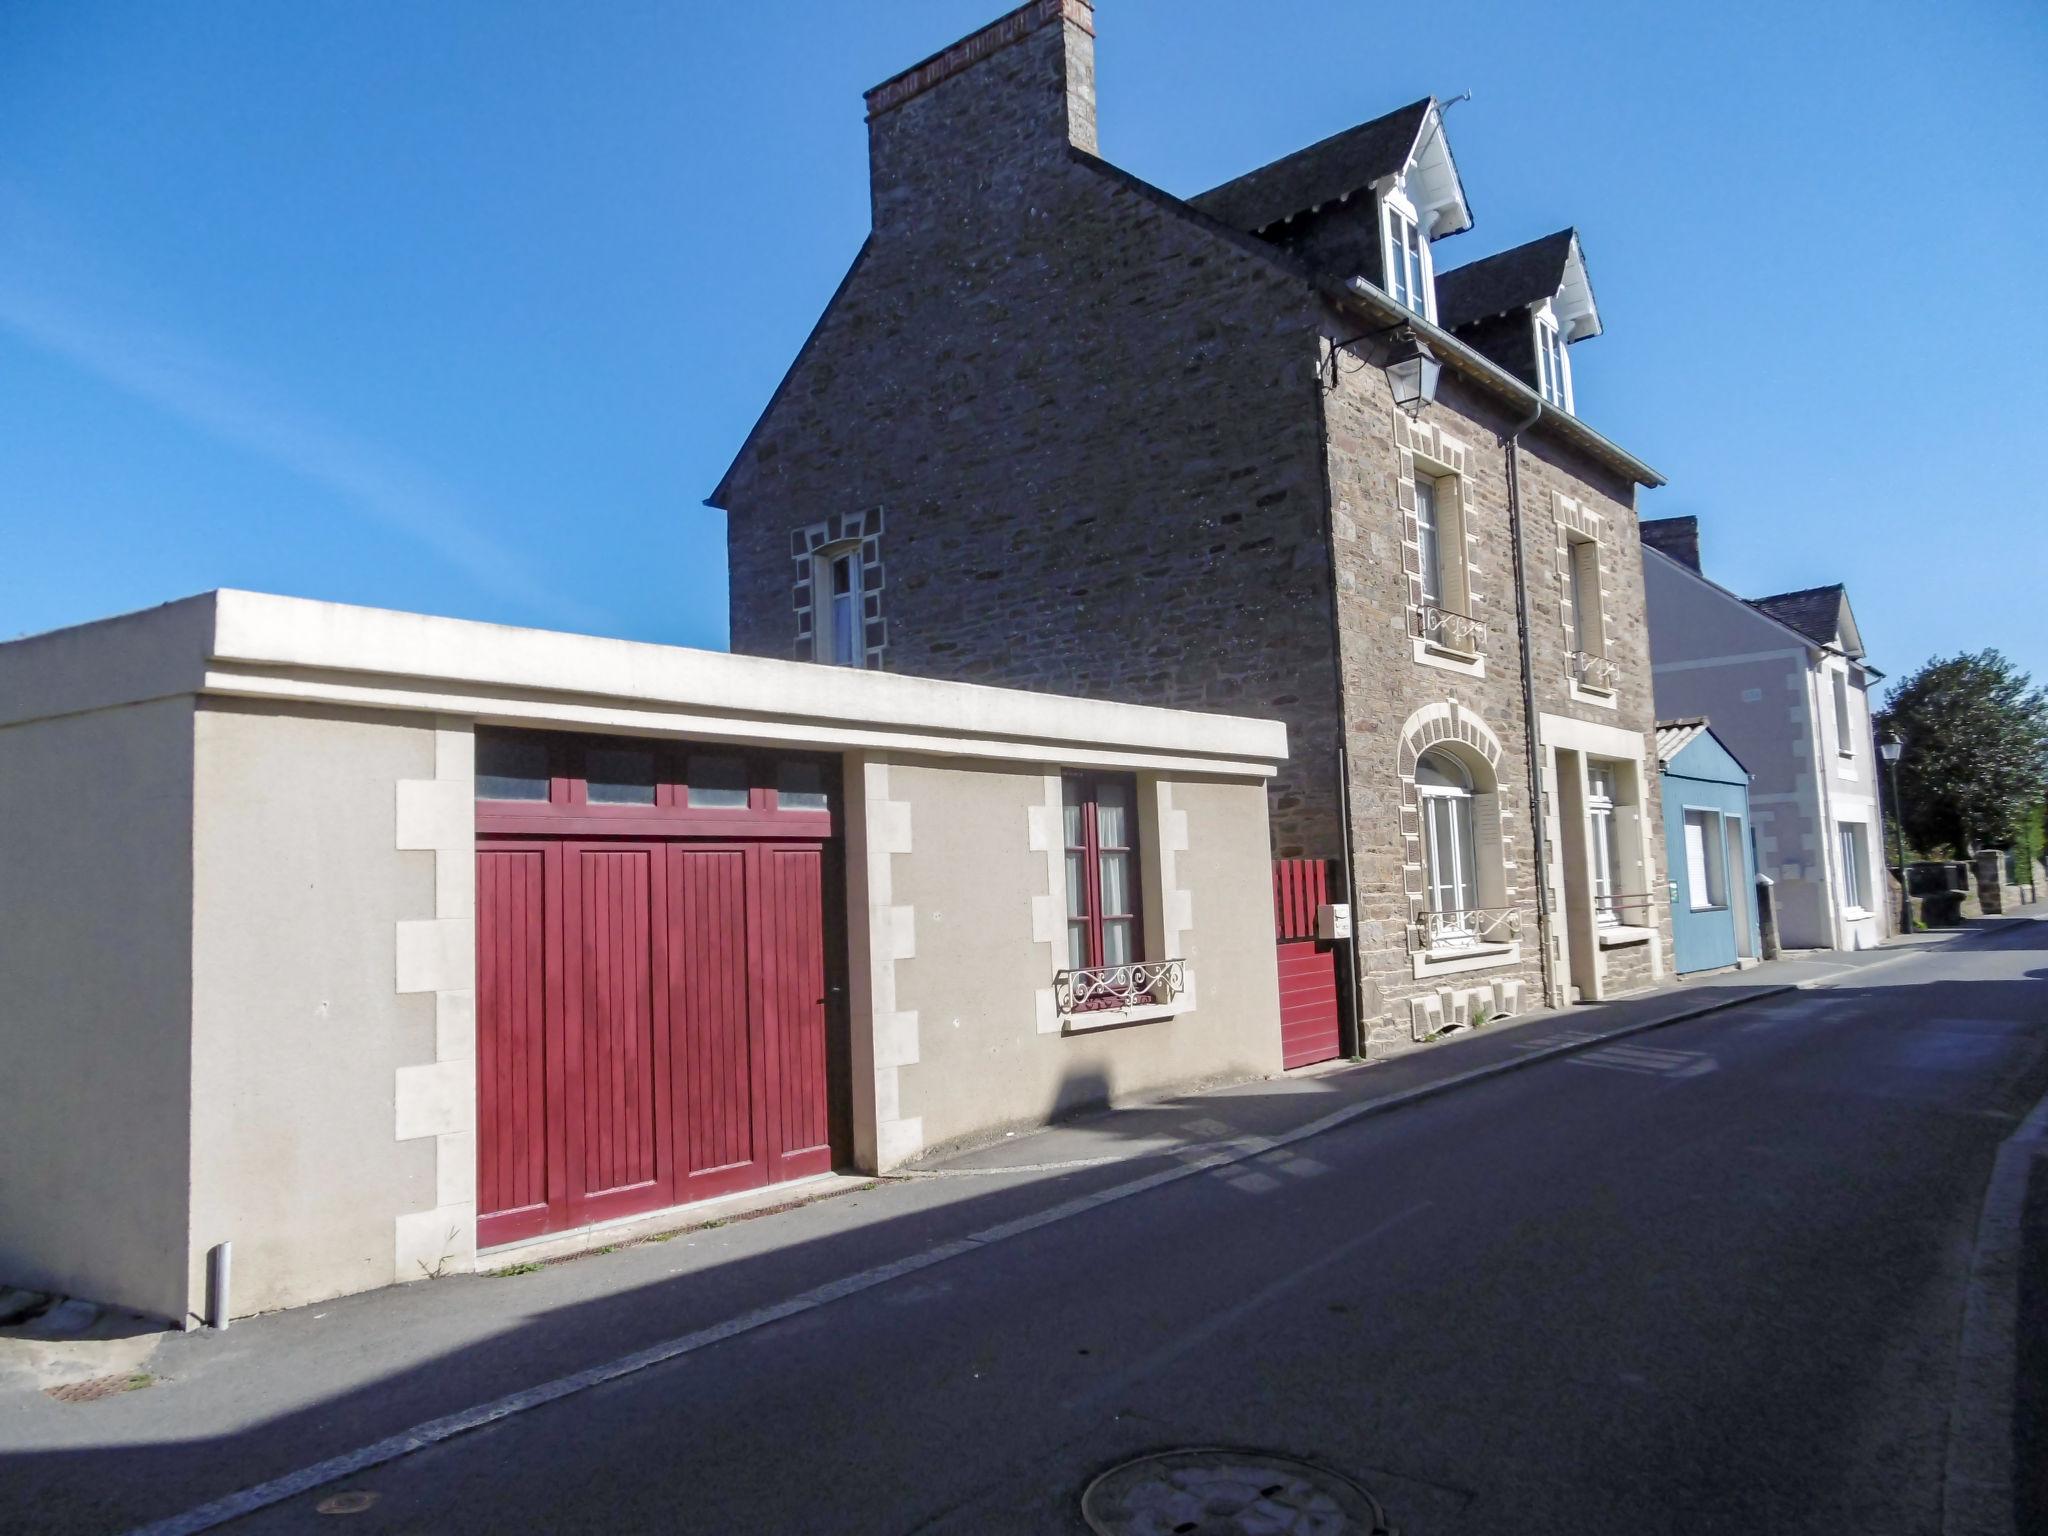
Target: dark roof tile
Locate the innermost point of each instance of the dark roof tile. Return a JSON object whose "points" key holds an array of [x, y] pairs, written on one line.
{"points": [[1492, 285], [1815, 612], [1324, 172]]}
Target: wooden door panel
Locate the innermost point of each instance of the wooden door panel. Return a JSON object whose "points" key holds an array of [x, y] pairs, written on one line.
{"points": [[717, 1059], [615, 1030], [790, 915], [513, 1123]]}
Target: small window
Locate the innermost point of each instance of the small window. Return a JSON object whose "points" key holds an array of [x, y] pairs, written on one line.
{"points": [[1553, 369], [1604, 854], [619, 775], [838, 628], [1706, 882], [800, 787], [1583, 573], [1407, 262], [1844, 741], [1102, 872], [1429, 534], [1855, 867], [717, 782], [511, 767]]}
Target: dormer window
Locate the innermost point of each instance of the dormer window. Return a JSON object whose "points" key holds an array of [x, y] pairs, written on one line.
{"points": [[1553, 368], [1408, 275]]}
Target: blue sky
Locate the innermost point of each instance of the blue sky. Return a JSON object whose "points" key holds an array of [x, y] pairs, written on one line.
{"points": [[464, 307]]}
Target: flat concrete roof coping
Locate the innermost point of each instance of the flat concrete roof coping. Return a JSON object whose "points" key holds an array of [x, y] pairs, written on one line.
{"points": [[257, 644]]}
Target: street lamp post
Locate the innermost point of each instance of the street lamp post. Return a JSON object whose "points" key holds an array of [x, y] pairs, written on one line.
{"points": [[1892, 749]]}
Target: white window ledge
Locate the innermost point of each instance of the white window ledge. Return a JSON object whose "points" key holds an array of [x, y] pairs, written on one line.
{"points": [[1854, 913], [1603, 698], [1621, 935], [1463, 663], [1473, 957], [1110, 1018]]}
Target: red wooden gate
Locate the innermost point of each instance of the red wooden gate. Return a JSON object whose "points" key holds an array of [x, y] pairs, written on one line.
{"points": [[1309, 1029], [651, 1026]]}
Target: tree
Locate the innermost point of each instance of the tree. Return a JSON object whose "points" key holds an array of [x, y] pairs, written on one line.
{"points": [[1976, 758]]}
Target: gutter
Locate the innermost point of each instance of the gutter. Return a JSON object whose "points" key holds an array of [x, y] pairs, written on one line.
{"points": [[1532, 731], [1483, 371]]}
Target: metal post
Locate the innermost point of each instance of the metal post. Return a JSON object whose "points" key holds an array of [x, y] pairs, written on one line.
{"points": [[220, 1261], [1899, 837]]}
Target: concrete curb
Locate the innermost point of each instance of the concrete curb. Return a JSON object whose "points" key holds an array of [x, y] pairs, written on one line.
{"points": [[1977, 1483]]}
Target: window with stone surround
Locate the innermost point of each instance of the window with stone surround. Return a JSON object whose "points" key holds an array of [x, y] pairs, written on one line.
{"points": [[1463, 912], [1582, 606], [1441, 602], [837, 591]]}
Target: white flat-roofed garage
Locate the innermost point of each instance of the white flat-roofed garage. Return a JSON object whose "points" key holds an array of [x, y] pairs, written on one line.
{"points": [[367, 941]]}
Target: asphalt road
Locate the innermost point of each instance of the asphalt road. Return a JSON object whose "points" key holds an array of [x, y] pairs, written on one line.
{"points": [[1705, 1279]]}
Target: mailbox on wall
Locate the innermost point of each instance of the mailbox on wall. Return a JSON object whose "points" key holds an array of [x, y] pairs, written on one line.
{"points": [[1333, 921]]}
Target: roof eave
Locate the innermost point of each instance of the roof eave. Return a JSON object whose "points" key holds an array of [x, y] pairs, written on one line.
{"points": [[1478, 369]]}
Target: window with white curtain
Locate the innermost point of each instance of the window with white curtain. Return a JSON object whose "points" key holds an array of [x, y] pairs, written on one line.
{"points": [[1448, 846], [1102, 871], [1855, 866], [837, 631], [1604, 852]]}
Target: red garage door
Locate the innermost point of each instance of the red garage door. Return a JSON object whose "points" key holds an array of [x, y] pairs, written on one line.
{"points": [[651, 1011], [1309, 1030]]}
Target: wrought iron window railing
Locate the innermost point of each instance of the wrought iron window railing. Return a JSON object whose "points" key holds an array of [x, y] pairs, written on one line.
{"points": [[1118, 986], [1592, 671], [1465, 928], [1449, 630], [1607, 910]]}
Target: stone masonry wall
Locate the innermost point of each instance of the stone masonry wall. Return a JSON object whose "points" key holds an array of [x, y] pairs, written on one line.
{"points": [[1088, 425]]}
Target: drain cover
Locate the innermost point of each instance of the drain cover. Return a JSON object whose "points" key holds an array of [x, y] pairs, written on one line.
{"points": [[1214, 1492]]}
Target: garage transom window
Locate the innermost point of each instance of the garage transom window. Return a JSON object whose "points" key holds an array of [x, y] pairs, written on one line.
{"points": [[546, 781]]}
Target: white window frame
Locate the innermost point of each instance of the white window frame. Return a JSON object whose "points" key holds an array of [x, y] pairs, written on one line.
{"points": [[1449, 848], [1853, 849], [1603, 853], [1705, 851], [1429, 539], [1404, 243], [1844, 739], [1553, 365], [826, 641]]}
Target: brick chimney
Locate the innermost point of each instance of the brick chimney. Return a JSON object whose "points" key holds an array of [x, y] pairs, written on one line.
{"points": [[1678, 537], [977, 118]]}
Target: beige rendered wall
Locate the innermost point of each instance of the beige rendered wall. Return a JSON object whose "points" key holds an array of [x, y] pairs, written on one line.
{"points": [[966, 946], [95, 991], [299, 1031]]}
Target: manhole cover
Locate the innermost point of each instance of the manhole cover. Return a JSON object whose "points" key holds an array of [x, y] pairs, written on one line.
{"points": [[1214, 1492], [353, 1502]]}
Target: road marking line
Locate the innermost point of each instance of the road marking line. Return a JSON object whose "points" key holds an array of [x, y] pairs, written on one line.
{"points": [[234, 1506]]}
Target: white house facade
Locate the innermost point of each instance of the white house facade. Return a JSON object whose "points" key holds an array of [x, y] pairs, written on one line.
{"points": [[1785, 682]]}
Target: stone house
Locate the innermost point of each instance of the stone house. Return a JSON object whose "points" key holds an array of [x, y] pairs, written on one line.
{"points": [[1786, 681], [1249, 450]]}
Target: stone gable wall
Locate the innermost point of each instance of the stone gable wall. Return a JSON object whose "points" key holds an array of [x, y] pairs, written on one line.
{"points": [[1089, 431]]}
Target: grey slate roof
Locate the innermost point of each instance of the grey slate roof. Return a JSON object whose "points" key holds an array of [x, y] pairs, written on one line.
{"points": [[1492, 285], [1815, 612], [1322, 173]]}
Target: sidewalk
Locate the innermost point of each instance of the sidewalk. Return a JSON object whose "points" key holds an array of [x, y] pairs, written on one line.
{"points": [[214, 1412], [1276, 1106]]}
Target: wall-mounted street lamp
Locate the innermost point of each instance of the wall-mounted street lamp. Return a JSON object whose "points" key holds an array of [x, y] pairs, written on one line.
{"points": [[1413, 374], [1411, 366], [1891, 748]]}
